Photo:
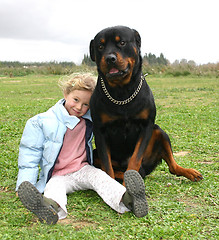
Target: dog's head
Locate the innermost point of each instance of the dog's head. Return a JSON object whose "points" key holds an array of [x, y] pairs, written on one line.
{"points": [[116, 51]]}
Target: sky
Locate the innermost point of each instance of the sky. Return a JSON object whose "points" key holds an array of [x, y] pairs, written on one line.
{"points": [[61, 30]]}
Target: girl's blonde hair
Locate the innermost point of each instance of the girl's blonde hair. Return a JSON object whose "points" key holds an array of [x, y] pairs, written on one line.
{"points": [[77, 81]]}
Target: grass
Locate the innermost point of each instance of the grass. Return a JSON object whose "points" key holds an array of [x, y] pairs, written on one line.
{"points": [[187, 109]]}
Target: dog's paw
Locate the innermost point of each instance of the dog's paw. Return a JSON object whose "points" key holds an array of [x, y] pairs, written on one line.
{"points": [[193, 175], [189, 173]]}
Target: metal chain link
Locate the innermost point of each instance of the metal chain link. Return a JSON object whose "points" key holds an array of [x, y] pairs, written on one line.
{"points": [[124, 101]]}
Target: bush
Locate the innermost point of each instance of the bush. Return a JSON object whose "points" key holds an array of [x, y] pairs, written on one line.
{"points": [[176, 69]]}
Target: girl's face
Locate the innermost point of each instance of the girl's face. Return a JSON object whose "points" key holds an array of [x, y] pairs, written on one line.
{"points": [[77, 102]]}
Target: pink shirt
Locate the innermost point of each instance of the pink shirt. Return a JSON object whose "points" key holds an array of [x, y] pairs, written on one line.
{"points": [[72, 156]]}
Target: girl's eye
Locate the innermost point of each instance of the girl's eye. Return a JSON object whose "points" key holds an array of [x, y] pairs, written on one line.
{"points": [[75, 99], [86, 105]]}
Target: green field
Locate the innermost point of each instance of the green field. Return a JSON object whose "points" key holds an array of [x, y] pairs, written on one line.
{"points": [[187, 109]]}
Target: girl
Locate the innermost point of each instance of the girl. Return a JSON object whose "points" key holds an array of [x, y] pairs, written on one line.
{"points": [[60, 142]]}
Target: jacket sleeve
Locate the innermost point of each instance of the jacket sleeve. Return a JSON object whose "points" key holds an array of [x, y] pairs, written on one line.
{"points": [[30, 152]]}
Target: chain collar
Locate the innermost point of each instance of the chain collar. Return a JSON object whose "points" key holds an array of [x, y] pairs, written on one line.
{"points": [[124, 101]]}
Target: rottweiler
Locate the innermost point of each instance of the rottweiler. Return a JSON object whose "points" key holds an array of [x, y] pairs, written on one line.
{"points": [[123, 110]]}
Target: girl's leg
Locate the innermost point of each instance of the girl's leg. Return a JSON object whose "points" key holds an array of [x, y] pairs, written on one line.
{"points": [[111, 191], [56, 189], [106, 187]]}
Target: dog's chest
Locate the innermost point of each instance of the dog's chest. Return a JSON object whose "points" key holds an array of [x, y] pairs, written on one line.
{"points": [[123, 132]]}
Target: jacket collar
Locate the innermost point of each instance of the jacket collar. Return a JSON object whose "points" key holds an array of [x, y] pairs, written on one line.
{"points": [[63, 115]]}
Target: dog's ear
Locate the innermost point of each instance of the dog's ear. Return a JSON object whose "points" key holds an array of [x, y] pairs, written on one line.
{"points": [[137, 38], [92, 54]]}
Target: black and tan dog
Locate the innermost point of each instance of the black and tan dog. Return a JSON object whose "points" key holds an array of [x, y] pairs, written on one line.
{"points": [[123, 109]]}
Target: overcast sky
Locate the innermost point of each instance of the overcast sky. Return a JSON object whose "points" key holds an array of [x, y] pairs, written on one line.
{"points": [[61, 30]]}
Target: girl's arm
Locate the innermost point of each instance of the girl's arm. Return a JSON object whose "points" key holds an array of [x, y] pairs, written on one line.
{"points": [[30, 152]]}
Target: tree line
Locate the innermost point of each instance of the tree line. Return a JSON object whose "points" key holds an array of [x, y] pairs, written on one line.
{"points": [[152, 64], [150, 59]]}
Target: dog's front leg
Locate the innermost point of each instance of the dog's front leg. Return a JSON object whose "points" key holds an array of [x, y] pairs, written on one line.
{"points": [[104, 155], [140, 147]]}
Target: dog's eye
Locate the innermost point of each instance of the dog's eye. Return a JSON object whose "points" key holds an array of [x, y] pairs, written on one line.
{"points": [[101, 47], [122, 43]]}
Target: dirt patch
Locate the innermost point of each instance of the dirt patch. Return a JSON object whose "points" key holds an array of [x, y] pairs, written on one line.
{"points": [[206, 162], [37, 84], [78, 224], [191, 203], [181, 154], [12, 81]]}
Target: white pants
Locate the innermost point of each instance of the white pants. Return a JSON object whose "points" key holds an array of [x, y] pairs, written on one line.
{"points": [[87, 177]]}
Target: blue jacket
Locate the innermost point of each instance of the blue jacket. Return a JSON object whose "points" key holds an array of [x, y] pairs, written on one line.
{"points": [[41, 143]]}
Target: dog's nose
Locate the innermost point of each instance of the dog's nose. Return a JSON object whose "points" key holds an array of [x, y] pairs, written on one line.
{"points": [[111, 58]]}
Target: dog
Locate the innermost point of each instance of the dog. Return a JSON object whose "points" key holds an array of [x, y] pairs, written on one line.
{"points": [[123, 110]]}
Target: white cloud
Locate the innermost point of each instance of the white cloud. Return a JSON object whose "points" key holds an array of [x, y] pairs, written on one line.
{"points": [[43, 30]]}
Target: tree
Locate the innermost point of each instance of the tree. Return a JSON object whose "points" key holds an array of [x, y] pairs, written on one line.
{"points": [[87, 60], [151, 59]]}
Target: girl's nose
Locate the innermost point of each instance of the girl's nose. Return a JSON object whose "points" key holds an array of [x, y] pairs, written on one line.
{"points": [[79, 106]]}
